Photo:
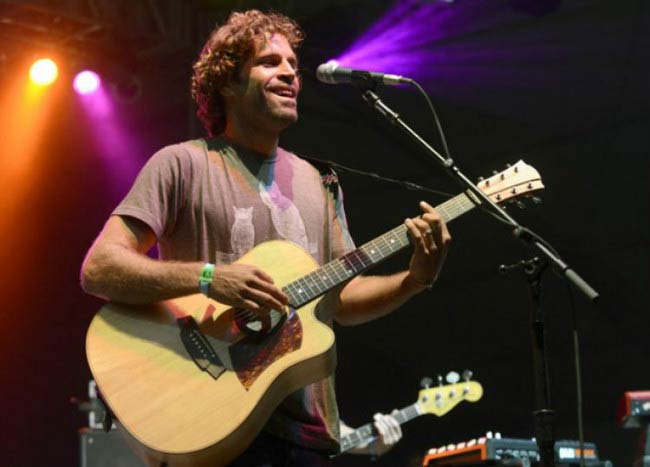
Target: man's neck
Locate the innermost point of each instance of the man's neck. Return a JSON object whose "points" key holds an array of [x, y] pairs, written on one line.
{"points": [[261, 142]]}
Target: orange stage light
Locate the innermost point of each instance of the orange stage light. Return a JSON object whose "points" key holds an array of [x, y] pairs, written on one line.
{"points": [[44, 72], [25, 110]]}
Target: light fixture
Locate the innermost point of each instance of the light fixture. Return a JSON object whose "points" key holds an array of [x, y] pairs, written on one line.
{"points": [[44, 72], [86, 82]]}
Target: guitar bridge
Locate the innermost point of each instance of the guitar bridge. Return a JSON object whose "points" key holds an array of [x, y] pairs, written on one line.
{"points": [[199, 348]]}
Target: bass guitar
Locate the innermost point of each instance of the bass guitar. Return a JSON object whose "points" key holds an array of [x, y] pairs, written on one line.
{"points": [[437, 401]]}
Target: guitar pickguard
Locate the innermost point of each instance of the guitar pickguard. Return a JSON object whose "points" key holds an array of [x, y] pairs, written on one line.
{"points": [[252, 355]]}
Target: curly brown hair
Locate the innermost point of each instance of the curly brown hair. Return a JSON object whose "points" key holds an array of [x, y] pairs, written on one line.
{"points": [[227, 48]]}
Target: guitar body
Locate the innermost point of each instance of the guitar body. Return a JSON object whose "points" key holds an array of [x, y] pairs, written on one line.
{"points": [[173, 412]]}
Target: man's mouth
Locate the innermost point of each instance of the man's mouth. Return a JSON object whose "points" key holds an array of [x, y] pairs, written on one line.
{"points": [[284, 92]]}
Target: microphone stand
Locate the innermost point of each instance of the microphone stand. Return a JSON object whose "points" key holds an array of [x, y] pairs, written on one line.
{"points": [[543, 415]]}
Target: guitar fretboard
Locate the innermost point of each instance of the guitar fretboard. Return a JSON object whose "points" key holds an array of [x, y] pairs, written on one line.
{"points": [[367, 431], [336, 272]]}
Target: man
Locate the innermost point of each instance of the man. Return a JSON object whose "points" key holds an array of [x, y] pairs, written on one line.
{"points": [[206, 202]]}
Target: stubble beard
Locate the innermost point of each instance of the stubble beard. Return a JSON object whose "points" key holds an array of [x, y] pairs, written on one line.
{"points": [[282, 117]]}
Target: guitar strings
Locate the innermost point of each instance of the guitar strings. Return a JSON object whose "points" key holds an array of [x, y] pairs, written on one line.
{"points": [[449, 209]]}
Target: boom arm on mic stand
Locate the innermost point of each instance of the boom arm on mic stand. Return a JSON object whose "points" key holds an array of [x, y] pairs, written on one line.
{"points": [[543, 416], [519, 231]]}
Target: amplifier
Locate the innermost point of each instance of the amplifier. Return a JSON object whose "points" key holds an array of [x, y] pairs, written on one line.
{"points": [[501, 449], [105, 449], [634, 409]]}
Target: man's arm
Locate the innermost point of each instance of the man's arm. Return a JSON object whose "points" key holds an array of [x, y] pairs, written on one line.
{"points": [[365, 298], [116, 268]]}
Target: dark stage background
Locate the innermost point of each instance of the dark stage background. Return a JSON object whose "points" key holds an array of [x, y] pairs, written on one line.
{"points": [[574, 105]]}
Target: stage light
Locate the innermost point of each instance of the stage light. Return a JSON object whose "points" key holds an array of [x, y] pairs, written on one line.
{"points": [[86, 82], [44, 72]]}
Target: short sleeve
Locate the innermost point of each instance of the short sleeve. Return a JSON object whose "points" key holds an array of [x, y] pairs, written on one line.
{"points": [[159, 191], [341, 241]]}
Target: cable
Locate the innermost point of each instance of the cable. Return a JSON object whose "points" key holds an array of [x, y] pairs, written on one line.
{"points": [[435, 116], [403, 183], [576, 356], [415, 187]]}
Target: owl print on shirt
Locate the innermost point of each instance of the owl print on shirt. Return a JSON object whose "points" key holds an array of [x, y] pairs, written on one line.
{"points": [[286, 219]]}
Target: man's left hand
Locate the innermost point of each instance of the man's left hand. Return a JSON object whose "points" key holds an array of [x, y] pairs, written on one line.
{"points": [[431, 240], [389, 430]]}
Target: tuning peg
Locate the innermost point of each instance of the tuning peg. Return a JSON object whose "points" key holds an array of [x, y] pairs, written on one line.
{"points": [[537, 200], [439, 380], [508, 166], [467, 375], [452, 377], [494, 172], [426, 382], [520, 204], [480, 179]]}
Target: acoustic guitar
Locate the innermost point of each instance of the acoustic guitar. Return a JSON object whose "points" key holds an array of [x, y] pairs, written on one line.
{"points": [[193, 381]]}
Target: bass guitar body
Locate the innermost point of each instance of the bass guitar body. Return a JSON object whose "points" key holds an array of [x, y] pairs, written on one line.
{"points": [[192, 386]]}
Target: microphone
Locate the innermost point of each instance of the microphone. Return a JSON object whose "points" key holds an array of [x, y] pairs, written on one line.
{"points": [[332, 73]]}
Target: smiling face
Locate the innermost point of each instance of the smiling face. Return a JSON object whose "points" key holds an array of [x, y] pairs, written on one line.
{"points": [[265, 95]]}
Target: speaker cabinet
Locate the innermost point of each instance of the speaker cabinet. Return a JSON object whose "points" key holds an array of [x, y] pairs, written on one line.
{"points": [[101, 449]]}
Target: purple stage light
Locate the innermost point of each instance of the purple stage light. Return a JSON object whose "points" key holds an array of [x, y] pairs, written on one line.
{"points": [[114, 144], [416, 39], [484, 53], [86, 82]]}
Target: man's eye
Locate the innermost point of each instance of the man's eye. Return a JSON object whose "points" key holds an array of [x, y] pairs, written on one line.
{"points": [[268, 62]]}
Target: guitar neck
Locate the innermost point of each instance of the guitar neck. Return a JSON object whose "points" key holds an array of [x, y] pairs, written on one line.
{"points": [[367, 431], [368, 255]]}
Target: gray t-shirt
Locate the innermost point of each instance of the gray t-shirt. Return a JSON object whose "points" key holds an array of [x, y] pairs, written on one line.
{"points": [[206, 200]]}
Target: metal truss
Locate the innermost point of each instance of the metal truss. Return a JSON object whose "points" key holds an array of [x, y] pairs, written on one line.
{"points": [[132, 29]]}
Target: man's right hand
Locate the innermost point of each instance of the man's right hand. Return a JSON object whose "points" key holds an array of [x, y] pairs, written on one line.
{"points": [[246, 286]]}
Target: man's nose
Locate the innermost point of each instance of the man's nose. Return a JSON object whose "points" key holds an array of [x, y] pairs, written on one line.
{"points": [[287, 72]]}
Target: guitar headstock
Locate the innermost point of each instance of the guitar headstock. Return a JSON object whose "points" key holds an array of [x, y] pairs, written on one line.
{"points": [[441, 399], [518, 180]]}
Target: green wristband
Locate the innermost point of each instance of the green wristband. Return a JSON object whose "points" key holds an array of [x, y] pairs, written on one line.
{"points": [[207, 273]]}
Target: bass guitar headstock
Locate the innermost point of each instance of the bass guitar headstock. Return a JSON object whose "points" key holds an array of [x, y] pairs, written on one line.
{"points": [[439, 400]]}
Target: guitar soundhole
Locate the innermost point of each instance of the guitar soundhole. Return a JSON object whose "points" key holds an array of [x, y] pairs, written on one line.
{"points": [[255, 325]]}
